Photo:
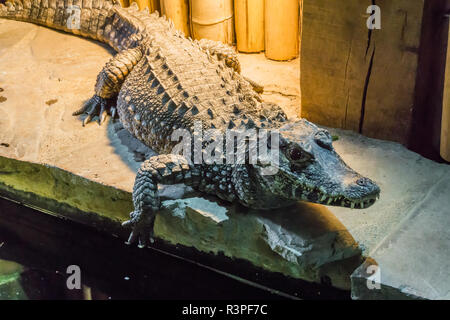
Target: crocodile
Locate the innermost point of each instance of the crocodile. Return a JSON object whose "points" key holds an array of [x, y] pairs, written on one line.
{"points": [[160, 82]]}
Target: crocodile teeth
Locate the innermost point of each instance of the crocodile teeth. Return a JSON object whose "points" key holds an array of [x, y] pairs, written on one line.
{"points": [[329, 200], [352, 205], [324, 197]]}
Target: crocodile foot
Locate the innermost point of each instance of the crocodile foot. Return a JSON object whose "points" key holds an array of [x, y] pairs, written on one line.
{"points": [[142, 228], [97, 106]]}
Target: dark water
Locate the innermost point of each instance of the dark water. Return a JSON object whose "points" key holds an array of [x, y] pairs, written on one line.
{"points": [[37, 249], [18, 282]]}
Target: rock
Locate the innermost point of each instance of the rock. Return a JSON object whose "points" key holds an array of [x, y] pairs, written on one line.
{"points": [[296, 242]]}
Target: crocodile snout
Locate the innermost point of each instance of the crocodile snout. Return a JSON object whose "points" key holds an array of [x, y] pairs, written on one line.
{"points": [[362, 190]]}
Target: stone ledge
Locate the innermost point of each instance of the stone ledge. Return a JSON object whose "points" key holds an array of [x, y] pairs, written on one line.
{"points": [[296, 245]]}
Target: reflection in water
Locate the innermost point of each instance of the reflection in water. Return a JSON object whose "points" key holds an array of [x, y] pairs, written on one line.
{"points": [[19, 282], [35, 266], [10, 272]]}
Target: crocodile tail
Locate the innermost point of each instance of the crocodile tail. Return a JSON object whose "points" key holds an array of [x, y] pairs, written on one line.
{"points": [[102, 20]]}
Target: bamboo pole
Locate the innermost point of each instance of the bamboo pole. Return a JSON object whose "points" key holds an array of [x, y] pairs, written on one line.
{"points": [[154, 6], [281, 29], [445, 127], [178, 12], [212, 19], [249, 24], [124, 3]]}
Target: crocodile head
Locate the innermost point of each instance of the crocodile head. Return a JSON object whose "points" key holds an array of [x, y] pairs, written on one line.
{"points": [[309, 169]]}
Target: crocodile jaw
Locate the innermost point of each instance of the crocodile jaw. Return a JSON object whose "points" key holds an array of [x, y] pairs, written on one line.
{"points": [[319, 175]]}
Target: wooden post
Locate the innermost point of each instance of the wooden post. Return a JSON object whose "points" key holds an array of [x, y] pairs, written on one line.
{"points": [[212, 19], [178, 12], [445, 127], [249, 23], [281, 29], [357, 78]]}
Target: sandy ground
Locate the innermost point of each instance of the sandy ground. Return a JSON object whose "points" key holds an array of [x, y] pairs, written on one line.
{"points": [[281, 80]]}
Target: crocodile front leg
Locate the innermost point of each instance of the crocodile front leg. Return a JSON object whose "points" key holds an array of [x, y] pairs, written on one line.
{"points": [[109, 82], [164, 169]]}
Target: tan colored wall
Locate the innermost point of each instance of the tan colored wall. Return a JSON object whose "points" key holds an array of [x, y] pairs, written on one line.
{"points": [[355, 79]]}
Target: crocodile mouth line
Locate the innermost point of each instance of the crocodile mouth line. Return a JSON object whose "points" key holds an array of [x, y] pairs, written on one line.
{"points": [[317, 196]]}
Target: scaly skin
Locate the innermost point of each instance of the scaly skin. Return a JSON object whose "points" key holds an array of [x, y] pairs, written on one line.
{"points": [[160, 82]]}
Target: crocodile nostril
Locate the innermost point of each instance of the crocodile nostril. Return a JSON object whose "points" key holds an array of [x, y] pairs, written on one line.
{"points": [[363, 182]]}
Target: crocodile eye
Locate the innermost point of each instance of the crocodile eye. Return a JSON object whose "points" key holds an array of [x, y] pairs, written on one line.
{"points": [[323, 138], [297, 155]]}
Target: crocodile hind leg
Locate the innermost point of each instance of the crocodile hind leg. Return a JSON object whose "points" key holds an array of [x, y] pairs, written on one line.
{"points": [[164, 169], [97, 106], [109, 82], [221, 52], [227, 54]]}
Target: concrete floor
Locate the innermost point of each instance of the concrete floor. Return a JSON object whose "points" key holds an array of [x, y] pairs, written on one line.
{"points": [[45, 75]]}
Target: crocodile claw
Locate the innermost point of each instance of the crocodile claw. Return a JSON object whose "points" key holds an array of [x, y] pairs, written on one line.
{"points": [[96, 106], [142, 229]]}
